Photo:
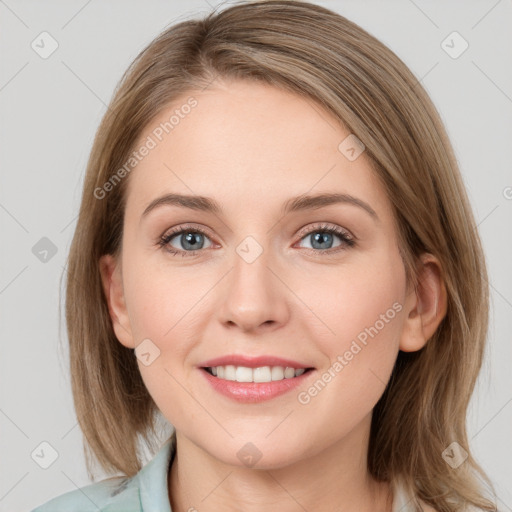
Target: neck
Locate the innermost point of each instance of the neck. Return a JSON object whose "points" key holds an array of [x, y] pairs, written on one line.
{"points": [[334, 479]]}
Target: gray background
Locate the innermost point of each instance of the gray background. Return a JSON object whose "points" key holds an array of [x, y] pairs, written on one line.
{"points": [[50, 110]]}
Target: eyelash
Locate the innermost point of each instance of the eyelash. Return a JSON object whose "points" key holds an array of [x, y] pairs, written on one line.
{"points": [[346, 239]]}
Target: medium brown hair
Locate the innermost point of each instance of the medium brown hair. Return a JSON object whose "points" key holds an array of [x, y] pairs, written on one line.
{"points": [[324, 57]]}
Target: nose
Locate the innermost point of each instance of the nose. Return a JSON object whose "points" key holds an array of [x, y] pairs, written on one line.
{"points": [[255, 297]]}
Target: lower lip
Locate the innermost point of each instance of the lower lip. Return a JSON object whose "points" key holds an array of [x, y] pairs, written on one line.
{"points": [[250, 392]]}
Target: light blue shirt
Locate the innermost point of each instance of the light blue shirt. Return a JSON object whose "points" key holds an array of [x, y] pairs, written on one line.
{"points": [[146, 491]]}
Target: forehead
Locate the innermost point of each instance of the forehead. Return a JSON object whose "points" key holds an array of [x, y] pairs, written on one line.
{"points": [[246, 144]]}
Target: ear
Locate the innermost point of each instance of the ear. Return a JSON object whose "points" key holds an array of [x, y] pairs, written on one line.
{"points": [[425, 306], [111, 277]]}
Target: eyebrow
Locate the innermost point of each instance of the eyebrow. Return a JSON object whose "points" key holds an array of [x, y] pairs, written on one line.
{"points": [[300, 203]]}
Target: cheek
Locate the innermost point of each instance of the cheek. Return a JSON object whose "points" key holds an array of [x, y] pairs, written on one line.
{"points": [[365, 311], [162, 302], [359, 301], [362, 319], [165, 305], [161, 308]]}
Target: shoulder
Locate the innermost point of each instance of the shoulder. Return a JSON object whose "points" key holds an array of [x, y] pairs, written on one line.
{"points": [[145, 491], [116, 493]]}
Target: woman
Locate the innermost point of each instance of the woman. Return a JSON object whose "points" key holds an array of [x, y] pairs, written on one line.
{"points": [[276, 252]]}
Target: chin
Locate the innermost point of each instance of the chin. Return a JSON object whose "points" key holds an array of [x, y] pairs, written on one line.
{"points": [[259, 452]]}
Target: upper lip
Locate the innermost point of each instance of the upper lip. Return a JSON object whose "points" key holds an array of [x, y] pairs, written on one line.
{"points": [[252, 362]]}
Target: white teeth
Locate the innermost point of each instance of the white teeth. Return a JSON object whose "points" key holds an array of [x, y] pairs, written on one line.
{"points": [[243, 374], [289, 373], [261, 374], [229, 372], [277, 373]]}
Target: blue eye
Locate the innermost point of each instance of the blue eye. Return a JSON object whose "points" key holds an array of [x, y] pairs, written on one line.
{"points": [[323, 236], [192, 240]]}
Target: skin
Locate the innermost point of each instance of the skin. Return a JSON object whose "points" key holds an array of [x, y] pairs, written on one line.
{"points": [[251, 147]]}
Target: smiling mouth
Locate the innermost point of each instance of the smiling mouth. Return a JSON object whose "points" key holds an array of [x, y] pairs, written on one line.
{"points": [[261, 374]]}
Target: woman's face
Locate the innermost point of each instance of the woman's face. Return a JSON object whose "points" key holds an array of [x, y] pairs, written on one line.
{"points": [[259, 277]]}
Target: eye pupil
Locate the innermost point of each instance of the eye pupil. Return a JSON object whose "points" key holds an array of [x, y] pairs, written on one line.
{"points": [[323, 239], [191, 240]]}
